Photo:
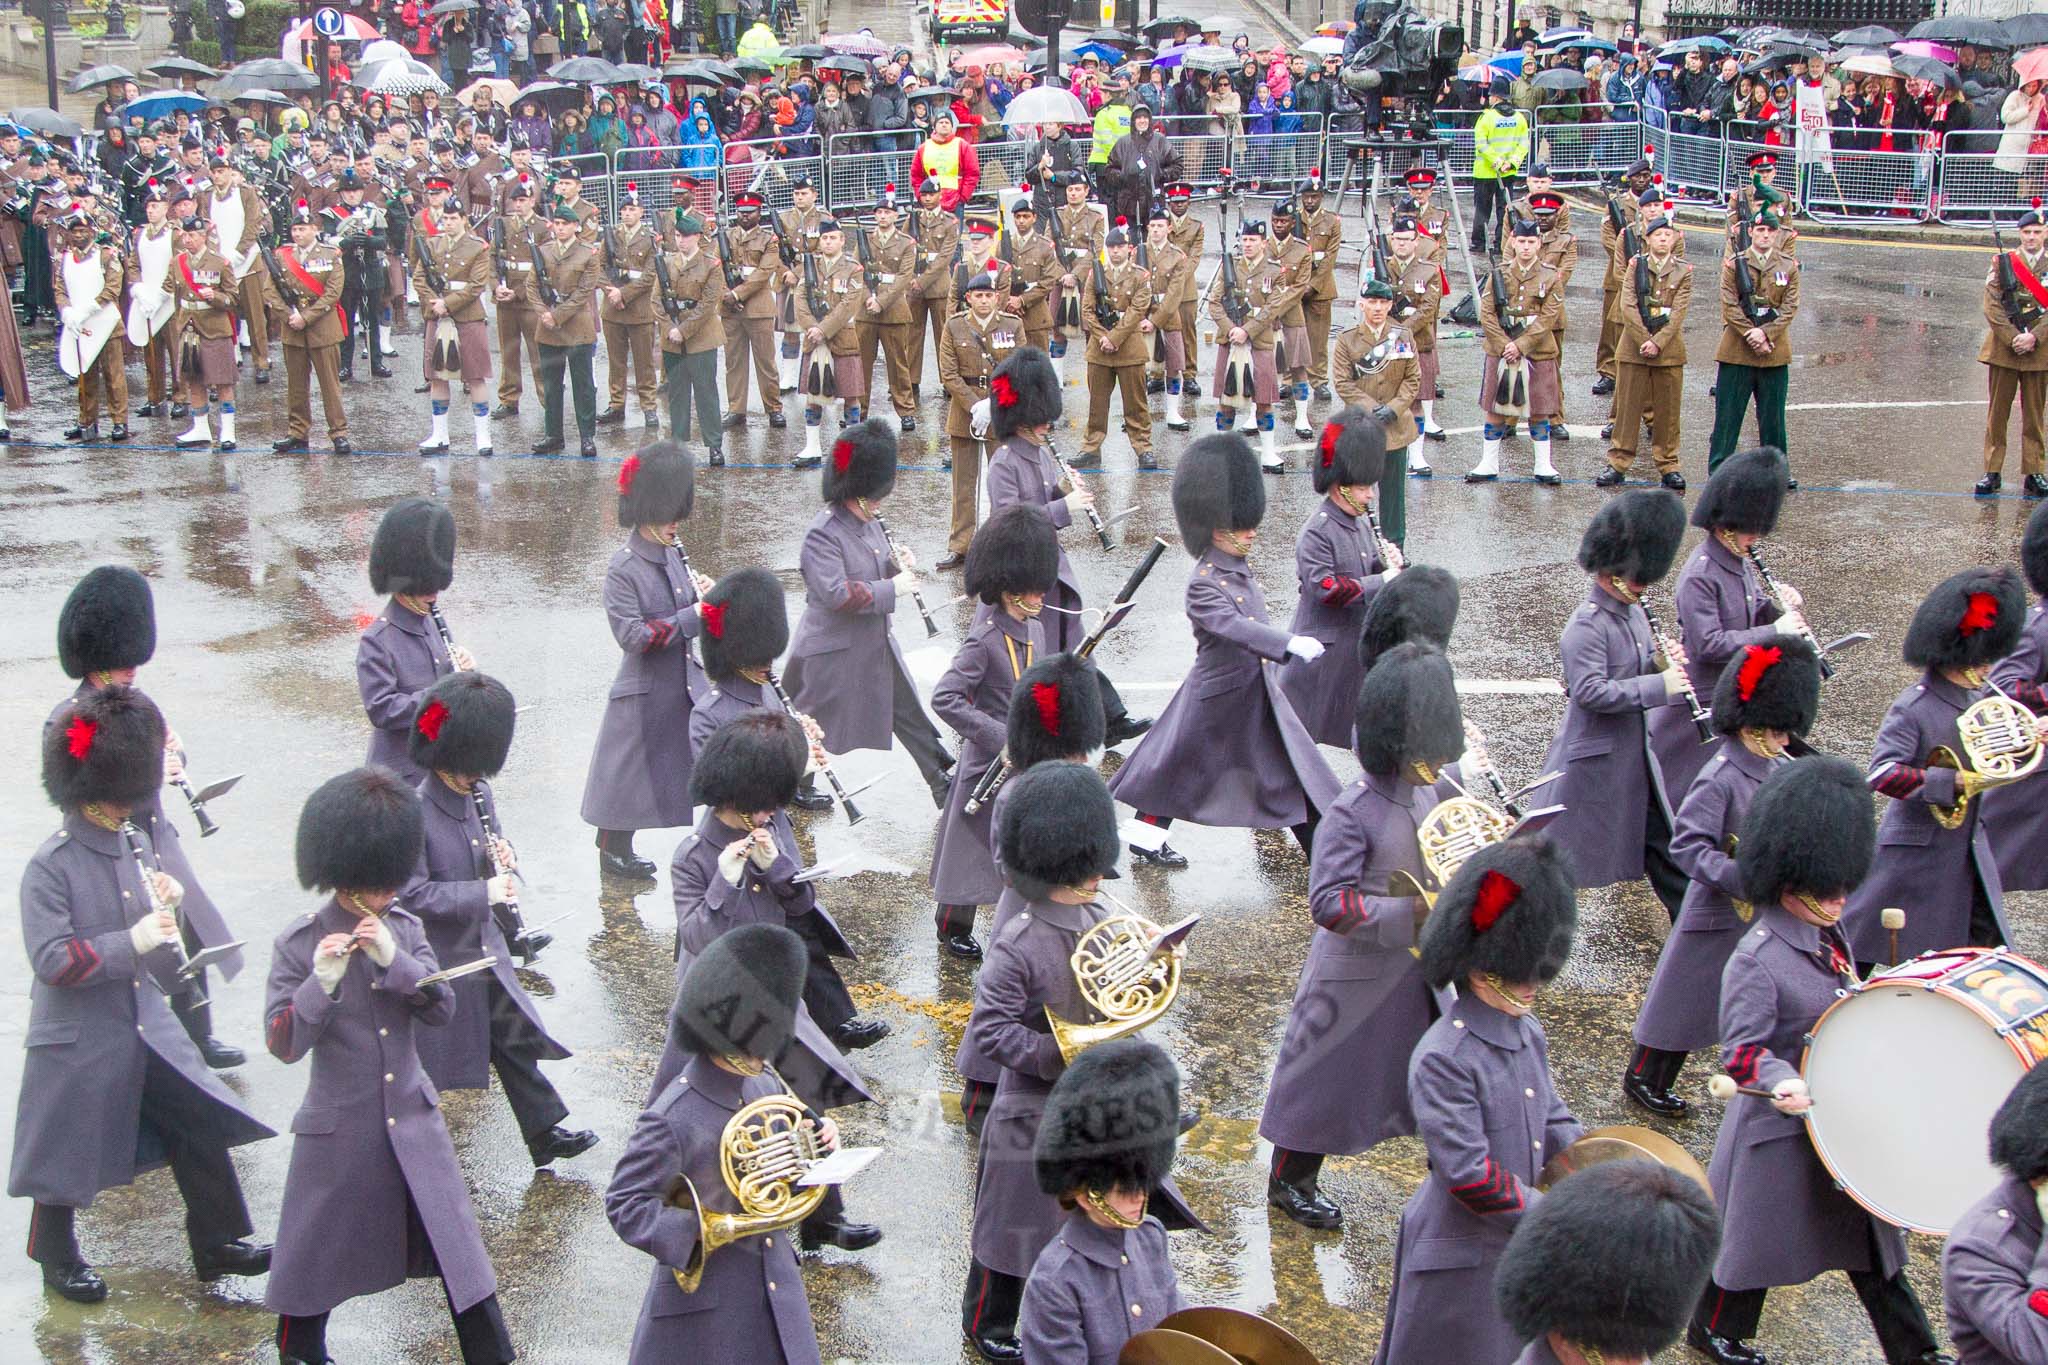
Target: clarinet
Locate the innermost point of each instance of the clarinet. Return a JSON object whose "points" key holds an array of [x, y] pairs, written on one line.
{"points": [[207, 827], [1702, 719], [689, 645], [992, 779], [853, 816], [931, 627], [133, 838], [441, 625], [1483, 766], [1827, 670], [1380, 546], [510, 923], [1073, 481]]}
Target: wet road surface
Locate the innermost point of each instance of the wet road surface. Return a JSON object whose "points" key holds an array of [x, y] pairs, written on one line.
{"points": [[258, 565]]}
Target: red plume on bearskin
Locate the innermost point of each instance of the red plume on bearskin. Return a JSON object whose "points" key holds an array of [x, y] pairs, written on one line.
{"points": [[714, 619], [432, 717], [627, 471], [842, 455], [1046, 697], [78, 736], [1004, 392], [1757, 660], [1328, 445], [1981, 614], [1496, 894]]}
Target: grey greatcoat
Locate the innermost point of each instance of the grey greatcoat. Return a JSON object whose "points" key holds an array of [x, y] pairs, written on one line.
{"points": [[369, 1137], [1019, 471], [707, 905], [974, 698], [1783, 1219], [843, 657], [1609, 775], [200, 916], [1921, 868], [449, 895], [750, 1305], [968, 1059], [2016, 817], [1093, 1289], [1719, 606], [640, 770], [1682, 1008], [94, 1017], [1490, 1117], [398, 658], [1994, 1271], [1340, 1085], [1332, 547], [1228, 749]]}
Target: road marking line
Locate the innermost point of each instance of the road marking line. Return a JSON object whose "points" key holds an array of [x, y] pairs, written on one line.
{"points": [[1497, 687]]}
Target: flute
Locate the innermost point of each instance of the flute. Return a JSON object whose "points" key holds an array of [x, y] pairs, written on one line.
{"points": [[1073, 481], [1702, 719], [133, 837], [1763, 573], [853, 816], [931, 627]]}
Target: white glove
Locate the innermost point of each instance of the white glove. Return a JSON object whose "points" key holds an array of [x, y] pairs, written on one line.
{"points": [[1305, 648], [733, 861], [328, 971], [1789, 1096], [1791, 623], [152, 931], [383, 947], [762, 851], [977, 419], [501, 891], [1674, 682]]}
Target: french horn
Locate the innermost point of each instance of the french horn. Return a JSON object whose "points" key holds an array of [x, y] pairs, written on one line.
{"points": [[2001, 746], [1121, 979], [765, 1148]]}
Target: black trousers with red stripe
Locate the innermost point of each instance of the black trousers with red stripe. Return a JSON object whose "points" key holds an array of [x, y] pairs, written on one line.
{"points": [[975, 1098], [1903, 1332], [990, 1303]]}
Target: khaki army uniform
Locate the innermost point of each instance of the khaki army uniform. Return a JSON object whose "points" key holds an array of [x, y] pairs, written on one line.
{"points": [[1038, 269], [1373, 370], [1120, 366], [969, 351], [1172, 272], [255, 219], [690, 337], [893, 258], [1324, 233], [628, 267], [1187, 232], [1082, 229], [800, 226], [1741, 371], [566, 344], [1620, 247], [1651, 386], [156, 352], [931, 303], [108, 370], [517, 320], [312, 294], [747, 318], [1535, 301], [2012, 374], [841, 294]]}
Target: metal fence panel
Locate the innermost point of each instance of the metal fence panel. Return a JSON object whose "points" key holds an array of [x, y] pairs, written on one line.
{"points": [[1457, 125], [1973, 188], [1690, 161], [1582, 152], [1847, 184], [595, 168]]}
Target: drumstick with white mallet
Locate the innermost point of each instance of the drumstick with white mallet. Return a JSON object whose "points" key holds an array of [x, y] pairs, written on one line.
{"points": [[1725, 1088], [1893, 920]]}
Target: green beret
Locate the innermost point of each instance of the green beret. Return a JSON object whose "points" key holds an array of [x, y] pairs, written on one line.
{"points": [[688, 224], [564, 214], [1765, 218], [1376, 288]]}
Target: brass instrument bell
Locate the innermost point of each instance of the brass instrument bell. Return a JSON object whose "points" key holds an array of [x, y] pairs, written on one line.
{"points": [[2001, 746], [763, 1151], [1120, 979], [1455, 830]]}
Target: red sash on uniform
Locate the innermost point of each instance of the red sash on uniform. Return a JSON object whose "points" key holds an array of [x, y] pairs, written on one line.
{"points": [[2029, 279], [185, 269], [308, 279]]}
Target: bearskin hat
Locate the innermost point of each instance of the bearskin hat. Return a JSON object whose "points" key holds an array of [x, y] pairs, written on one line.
{"points": [[1635, 536], [1745, 493], [1809, 829], [108, 622], [1614, 1259], [2019, 1130], [746, 623], [1769, 687], [740, 997], [1015, 551], [2034, 551], [751, 763], [1418, 603], [1408, 711], [1055, 712], [862, 462], [361, 831], [1217, 486], [1059, 828], [107, 747], [413, 551], [463, 726], [1970, 619], [1353, 449], [1024, 392], [1111, 1122], [1509, 909], [657, 485]]}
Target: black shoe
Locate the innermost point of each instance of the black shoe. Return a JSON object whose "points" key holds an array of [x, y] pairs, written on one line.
{"points": [[120, 433], [1722, 1350], [529, 946], [1674, 481], [559, 1144], [1166, 856], [588, 450], [1607, 431], [1548, 480], [631, 868], [734, 421], [807, 461], [989, 1346], [342, 446], [290, 444], [812, 799], [220, 1056], [961, 945], [715, 459], [952, 561], [548, 445], [1610, 477], [1148, 461], [777, 421], [433, 448], [1422, 472], [840, 1233], [289, 1358], [504, 410], [241, 1257], [77, 1282], [181, 409], [263, 376], [1603, 386], [1306, 1207], [1662, 1103], [380, 371], [147, 410], [1323, 392], [651, 428], [611, 417], [946, 463], [1127, 726], [1155, 386], [1190, 388], [1988, 486], [2032, 486], [1473, 476], [1560, 432], [908, 424], [855, 1034], [1438, 435], [78, 433], [347, 373]]}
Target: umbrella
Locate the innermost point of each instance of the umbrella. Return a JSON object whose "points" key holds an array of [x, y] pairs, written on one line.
{"points": [[100, 75], [405, 78], [159, 104], [1507, 63], [452, 7], [1870, 64], [2022, 30], [987, 54], [938, 94], [546, 93], [2028, 66], [1112, 37], [1685, 45], [1210, 59], [1221, 24], [1921, 47], [172, 67], [852, 66], [262, 97], [48, 122], [1046, 104], [753, 64], [1166, 23], [353, 27], [707, 72], [861, 44], [1562, 32], [1321, 46], [1561, 78], [1101, 53], [804, 52], [585, 71], [1927, 69], [1336, 28], [1586, 45], [1870, 35], [274, 72], [640, 71], [1962, 28]]}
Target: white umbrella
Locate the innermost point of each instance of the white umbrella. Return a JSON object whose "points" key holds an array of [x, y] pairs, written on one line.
{"points": [[1324, 46], [383, 50], [1045, 104], [1870, 65], [405, 78]]}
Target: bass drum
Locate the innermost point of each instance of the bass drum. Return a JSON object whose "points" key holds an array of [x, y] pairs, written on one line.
{"points": [[1906, 1071]]}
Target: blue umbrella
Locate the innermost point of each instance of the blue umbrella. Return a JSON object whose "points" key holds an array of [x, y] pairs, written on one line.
{"points": [[1509, 62], [1587, 44], [1685, 45], [161, 103], [1102, 52], [1559, 34]]}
